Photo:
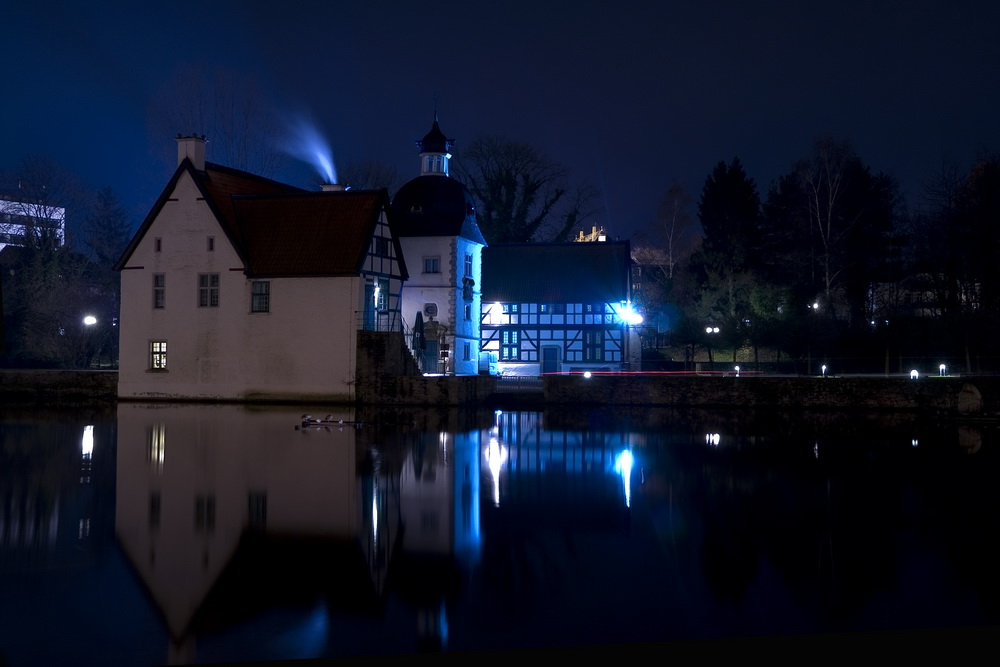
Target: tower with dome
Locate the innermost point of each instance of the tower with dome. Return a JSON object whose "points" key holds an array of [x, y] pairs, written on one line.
{"points": [[435, 220]]}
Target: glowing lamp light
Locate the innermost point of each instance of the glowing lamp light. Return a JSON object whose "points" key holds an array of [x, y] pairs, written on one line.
{"points": [[941, 368], [90, 320], [629, 315], [823, 370], [586, 375], [737, 371], [914, 374]]}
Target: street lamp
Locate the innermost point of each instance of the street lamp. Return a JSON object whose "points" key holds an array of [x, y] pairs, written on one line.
{"points": [[89, 320], [710, 331]]}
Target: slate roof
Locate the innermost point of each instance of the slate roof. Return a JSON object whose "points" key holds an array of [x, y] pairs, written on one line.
{"points": [[557, 272], [281, 230], [436, 205]]}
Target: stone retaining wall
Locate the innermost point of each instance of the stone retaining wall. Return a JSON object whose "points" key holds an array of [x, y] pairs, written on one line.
{"points": [[974, 395]]}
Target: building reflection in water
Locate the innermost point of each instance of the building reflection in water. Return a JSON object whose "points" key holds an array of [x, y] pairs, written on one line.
{"points": [[223, 509], [226, 511], [252, 539], [220, 507]]}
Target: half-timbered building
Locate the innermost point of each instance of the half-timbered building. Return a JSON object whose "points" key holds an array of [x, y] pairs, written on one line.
{"points": [[559, 307]]}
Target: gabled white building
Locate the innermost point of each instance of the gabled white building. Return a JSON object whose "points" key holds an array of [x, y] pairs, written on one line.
{"points": [[238, 287], [435, 216]]}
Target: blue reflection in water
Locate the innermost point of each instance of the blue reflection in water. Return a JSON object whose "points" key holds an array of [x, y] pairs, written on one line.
{"points": [[252, 540], [623, 466]]}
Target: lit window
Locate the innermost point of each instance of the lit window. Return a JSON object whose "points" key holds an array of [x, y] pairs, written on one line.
{"points": [[509, 348], [382, 294], [208, 290], [158, 355], [159, 290], [260, 301], [432, 265]]}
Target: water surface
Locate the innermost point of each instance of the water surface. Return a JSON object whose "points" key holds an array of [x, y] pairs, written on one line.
{"points": [[176, 534]]}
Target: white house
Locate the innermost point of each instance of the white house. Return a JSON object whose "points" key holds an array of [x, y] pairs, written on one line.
{"points": [[435, 216], [237, 287]]}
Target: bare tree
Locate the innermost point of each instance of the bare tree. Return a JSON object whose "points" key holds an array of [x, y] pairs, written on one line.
{"points": [[676, 226], [823, 177], [521, 194], [231, 109], [370, 175]]}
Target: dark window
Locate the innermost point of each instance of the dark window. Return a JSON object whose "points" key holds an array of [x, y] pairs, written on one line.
{"points": [[208, 290], [159, 290], [432, 265], [468, 264], [381, 246], [593, 345], [260, 301], [211, 244]]}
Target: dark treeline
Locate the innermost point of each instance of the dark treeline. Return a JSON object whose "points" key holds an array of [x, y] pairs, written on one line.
{"points": [[829, 267], [59, 293]]}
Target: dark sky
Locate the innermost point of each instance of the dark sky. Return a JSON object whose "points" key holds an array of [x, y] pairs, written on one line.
{"points": [[630, 95]]}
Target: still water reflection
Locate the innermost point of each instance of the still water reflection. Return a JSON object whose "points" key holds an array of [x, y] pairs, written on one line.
{"points": [[170, 534]]}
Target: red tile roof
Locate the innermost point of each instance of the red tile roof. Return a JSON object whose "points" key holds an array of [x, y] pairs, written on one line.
{"points": [[311, 234], [279, 229]]}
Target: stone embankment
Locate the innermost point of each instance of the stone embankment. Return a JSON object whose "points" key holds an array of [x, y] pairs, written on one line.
{"points": [[949, 395]]}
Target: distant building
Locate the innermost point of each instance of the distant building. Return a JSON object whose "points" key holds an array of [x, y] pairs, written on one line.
{"points": [[435, 218], [24, 223], [240, 287], [558, 307]]}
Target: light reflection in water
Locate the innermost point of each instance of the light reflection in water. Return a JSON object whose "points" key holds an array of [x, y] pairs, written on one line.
{"points": [[704, 508], [623, 466]]}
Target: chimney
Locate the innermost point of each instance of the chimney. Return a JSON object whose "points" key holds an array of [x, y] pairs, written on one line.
{"points": [[192, 147]]}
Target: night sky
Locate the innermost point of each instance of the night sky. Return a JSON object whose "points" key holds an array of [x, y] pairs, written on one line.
{"points": [[629, 95]]}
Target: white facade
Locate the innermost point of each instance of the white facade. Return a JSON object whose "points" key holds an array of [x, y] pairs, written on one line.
{"points": [[436, 289], [192, 326]]}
